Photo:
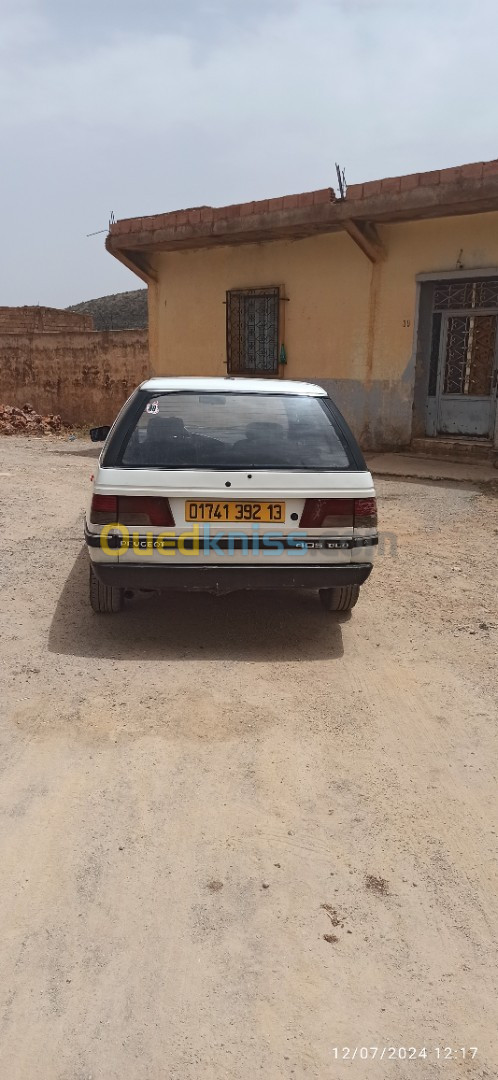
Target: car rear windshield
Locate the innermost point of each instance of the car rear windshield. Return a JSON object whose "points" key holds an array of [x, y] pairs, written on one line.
{"points": [[235, 431]]}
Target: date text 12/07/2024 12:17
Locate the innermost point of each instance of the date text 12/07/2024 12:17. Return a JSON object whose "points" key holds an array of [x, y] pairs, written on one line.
{"points": [[404, 1053]]}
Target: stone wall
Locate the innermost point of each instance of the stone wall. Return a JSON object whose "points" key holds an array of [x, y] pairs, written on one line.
{"points": [[84, 375], [16, 320]]}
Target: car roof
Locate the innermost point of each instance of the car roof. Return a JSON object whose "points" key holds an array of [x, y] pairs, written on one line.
{"points": [[234, 385]]}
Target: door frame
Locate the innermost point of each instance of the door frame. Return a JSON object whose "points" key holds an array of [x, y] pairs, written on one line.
{"points": [[424, 309]]}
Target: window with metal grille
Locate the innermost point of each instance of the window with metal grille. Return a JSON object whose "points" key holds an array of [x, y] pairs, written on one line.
{"points": [[469, 359], [253, 331]]}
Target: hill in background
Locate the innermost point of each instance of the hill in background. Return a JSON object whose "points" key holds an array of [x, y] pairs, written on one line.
{"points": [[119, 311]]}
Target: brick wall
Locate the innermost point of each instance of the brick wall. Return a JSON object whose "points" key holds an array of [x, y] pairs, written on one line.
{"points": [[17, 320], [84, 376]]}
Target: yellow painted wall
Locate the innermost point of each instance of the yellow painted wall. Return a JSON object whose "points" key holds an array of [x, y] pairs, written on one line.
{"points": [[326, 279], [469, 243], [348, 324]]}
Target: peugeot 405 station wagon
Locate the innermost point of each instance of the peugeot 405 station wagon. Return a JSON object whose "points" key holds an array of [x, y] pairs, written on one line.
{"points": [[222, 484]]}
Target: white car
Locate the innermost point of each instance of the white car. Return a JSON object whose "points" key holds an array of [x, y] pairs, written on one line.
{"points": [[223, 484]]}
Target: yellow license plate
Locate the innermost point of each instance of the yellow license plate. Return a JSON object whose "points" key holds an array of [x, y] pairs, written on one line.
{"points": [[234, 511]]}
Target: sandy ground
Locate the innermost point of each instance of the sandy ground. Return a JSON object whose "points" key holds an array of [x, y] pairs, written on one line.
{"points": [[195, 792]]}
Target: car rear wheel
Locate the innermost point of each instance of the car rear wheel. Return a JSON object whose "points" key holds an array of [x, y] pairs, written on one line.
{"points": [[342, 598], [104, 599]]}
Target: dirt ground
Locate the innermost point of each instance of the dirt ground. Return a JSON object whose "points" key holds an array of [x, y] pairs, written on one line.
{"points": [[239, 833]]}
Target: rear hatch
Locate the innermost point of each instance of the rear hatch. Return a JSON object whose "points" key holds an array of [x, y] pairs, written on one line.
{"points": [[259, 478]]}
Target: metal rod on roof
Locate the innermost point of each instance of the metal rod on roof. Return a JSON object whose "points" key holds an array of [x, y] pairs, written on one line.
{"points": [[341, 180]]}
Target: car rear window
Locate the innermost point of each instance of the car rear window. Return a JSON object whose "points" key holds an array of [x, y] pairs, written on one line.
{"points": [[235, 431]]}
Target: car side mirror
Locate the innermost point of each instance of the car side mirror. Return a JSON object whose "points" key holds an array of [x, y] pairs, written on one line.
{"points": [[99, 434]]}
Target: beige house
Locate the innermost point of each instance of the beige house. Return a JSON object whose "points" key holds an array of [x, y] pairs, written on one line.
{"points": [[388, 297]]}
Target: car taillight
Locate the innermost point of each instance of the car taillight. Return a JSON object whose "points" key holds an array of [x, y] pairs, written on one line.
{"points": [[144, 510], [339, 513], [104, 509], [365, 513], [131, 510], [321, 513]]}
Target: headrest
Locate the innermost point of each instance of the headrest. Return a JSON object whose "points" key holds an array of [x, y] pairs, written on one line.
{"points": [[165, 427], [262, 429]]}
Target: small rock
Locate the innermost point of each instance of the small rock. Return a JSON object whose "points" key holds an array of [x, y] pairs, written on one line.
{"points": [[377, 884], [265, 885]]}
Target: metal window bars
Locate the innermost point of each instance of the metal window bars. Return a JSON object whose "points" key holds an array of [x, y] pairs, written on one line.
{"points": [[469, 295], [253, 331]]}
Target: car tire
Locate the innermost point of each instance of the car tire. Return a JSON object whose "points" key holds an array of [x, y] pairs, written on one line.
{"points": [[104, 599], [342, 598]]}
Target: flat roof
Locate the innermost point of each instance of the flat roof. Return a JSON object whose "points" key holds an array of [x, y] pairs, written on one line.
{"points": [[464, 189], [228, 384]]}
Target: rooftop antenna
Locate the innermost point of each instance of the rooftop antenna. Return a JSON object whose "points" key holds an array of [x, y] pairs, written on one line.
{"points": [[341, 180], [112, 221]]}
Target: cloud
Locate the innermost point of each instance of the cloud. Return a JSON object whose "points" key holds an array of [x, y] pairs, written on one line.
{"points": [[144, 107]]}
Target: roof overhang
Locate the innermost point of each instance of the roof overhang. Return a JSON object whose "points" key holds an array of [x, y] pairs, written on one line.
{"points": [[468, 189]]}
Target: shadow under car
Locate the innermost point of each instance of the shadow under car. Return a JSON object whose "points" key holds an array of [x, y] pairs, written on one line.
{"points": [[240, 626]]}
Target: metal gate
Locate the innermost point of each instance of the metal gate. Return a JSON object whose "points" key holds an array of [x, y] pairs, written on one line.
{"points": [[464, 366]]}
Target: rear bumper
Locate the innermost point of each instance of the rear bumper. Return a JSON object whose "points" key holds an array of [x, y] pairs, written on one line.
{"points": [[225, 579]]}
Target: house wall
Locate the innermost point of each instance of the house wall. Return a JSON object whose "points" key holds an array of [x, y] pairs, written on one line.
{"points": [[85, 376], [349, 325]]}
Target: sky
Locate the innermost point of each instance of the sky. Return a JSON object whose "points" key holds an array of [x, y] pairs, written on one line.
{"points": [[143, 106]]}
